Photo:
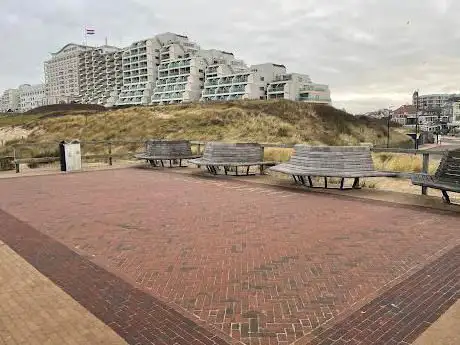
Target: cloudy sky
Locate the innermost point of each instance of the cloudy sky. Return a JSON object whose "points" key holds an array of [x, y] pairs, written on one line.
{"points": [[372, 53]]}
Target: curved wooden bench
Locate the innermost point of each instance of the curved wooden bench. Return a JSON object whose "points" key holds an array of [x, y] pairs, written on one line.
{"points": [[447, 176], [232, 155], [330, 161], [158, 151]]}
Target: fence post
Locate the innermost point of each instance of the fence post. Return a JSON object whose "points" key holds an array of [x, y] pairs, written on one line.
{"points": [[16, 164], [110, 153], [425, 166], [199, 149]]}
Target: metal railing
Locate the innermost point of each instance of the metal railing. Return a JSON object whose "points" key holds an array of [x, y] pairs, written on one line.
{"points": [[106, 152]]}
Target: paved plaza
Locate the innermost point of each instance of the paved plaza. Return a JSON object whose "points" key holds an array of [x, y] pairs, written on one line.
{"points": [[165, 258]]}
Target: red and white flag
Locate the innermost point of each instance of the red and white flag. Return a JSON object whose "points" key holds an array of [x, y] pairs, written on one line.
{"points": [[90, 31]]}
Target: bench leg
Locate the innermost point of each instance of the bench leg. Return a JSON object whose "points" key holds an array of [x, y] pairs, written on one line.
{"points": [[261, 168], [295, 179], [445, 197], [226, 170], [236, 169], [325, 182], [310, 181], [162, 164], [356, 183], [152, 163], [247, 171], [170, 163], [180, 163], [342, 181], [302, 180]]}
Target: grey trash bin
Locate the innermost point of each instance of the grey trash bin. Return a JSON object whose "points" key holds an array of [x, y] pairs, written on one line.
{"points": [[70, 155]]}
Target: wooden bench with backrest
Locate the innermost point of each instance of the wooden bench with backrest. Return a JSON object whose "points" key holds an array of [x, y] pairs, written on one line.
{"points": [[158, 151], [330, 161], [447, 176], [231, 156]]}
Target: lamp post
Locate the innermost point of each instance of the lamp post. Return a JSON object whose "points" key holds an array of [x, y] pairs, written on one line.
{"points": [[416, 119], [388, 126]]}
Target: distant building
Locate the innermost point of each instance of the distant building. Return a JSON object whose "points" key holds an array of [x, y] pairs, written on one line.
{"points": [[246, 83], [431, 101], [401, 114], [165, 69], [141, 61], [31, 96], [9, 101], [100, 75], [62, 74]]}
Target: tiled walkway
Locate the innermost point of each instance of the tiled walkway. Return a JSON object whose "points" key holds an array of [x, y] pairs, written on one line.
{"points": [[34, 311], [263, 265]]}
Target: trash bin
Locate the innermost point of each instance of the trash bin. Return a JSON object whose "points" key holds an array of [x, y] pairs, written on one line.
{"points": [[70, 153]]}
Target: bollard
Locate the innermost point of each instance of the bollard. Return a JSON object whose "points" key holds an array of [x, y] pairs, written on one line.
{"points": [[425, 166]]}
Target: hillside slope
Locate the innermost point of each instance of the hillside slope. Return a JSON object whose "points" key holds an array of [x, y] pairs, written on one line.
{"points": [[260, 121]]}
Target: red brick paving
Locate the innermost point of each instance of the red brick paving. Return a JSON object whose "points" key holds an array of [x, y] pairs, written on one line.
{"points": [[399, 315], [138, 317], [263, 265]]}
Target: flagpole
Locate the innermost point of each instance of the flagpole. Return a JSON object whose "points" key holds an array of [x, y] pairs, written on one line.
{"points": [[86, 38]]}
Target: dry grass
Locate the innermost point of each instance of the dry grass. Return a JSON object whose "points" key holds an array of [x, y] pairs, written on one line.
{"points": [[260, 121], [402, 163]]}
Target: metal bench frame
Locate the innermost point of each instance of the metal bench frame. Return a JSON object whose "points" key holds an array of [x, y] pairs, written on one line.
{"points": [[330, 161], [447, 176], [232, 155]]}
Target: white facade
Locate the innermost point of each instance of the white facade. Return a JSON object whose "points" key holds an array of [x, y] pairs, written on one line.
{"points": [[100, 75], [287, 86], [32, 96], [250, 83], [140, 66], [181, 80], [315, 93], [166, 69], [62, 74], [9, 101], [456, 113], [431, 101]]}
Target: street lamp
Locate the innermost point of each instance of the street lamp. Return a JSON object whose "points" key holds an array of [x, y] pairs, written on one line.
{"points": [[388, 126]]}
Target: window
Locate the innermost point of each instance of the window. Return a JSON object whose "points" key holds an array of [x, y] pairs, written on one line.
{"points": [[261, 88], [262, 78]]}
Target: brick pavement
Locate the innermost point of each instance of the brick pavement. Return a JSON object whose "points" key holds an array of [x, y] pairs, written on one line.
{"points": [[263, 265], [34, 311]]}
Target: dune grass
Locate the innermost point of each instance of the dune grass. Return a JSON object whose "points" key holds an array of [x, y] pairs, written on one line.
{"points": [[282, 122]]}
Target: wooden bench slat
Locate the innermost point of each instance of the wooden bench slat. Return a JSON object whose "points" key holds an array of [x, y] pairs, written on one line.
{"points": [[218, 154], [331, 161]]}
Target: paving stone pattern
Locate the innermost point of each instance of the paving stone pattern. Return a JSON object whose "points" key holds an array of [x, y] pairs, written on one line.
{"points": [[34, 311], [263, 265], [401, 314], [138, 317]]}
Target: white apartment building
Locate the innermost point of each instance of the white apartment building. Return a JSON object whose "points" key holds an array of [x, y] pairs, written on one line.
{"points": [[167, 69], [431, 101], [315, 93], [9, 101], [140, 63], [287, 86], [250, 83], [181, 80], [62, 74], [31, 96], [100, 75]]}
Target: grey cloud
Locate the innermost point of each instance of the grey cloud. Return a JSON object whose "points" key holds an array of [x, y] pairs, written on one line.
{"points": [[371, 52]]}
